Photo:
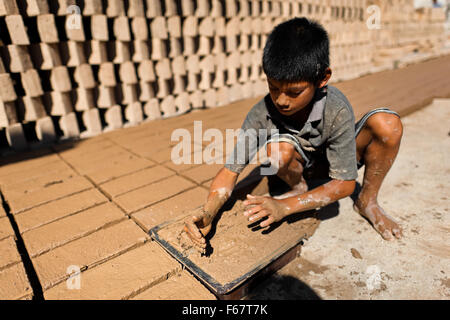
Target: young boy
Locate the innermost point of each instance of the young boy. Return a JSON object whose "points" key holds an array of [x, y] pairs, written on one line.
{"points": [[317, 135]]}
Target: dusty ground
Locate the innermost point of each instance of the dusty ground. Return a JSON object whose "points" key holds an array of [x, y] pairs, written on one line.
{"points": [[347, 259]]}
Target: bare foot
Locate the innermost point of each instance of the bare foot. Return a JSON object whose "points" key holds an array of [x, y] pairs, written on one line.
{"points": [[385, 225]]}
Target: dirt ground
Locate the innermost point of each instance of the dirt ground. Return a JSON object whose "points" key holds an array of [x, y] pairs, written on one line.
{"points": [[347, 259]]}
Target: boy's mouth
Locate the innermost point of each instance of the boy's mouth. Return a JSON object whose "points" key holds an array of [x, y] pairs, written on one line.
{"points": [[283, 108]]}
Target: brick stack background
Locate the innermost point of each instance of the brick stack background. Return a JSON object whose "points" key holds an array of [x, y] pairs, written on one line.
{"points": [[141, 60]]}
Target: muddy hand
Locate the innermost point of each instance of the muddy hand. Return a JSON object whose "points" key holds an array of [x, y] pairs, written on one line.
{"points": [[260, 207], [197, 227]]}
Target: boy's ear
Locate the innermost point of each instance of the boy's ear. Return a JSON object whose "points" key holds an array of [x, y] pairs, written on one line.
{"points": [[326, 78]]}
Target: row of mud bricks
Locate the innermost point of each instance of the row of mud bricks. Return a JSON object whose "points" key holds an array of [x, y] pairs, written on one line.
{"points": [[78, 68]]}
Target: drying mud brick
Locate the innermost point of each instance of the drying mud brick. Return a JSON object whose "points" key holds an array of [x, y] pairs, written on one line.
{"points": [[62, 231], [14, 283], [58, 103], [171, 209], [121, 51], [141, 50], [19, 58], [203, 173], [99, 27], [51, 267], [32, 108], [69, 125], [32, 83], [16, 137], [89, 159], [31, 180], [181, 286], [118, 168], [35, 160], [8, 114], [106, 97], [85, 99], [55, 210], [145, 196], [153, 8], [139, 28], [6, 229], [8, 7], [121, 29], [37, 7], [45, 131], [72, 53], [74, 28], [106, 75], [98, 52], [8, 253], [136, 8], [85, 148], [113, 117], [115, 8], [17, 29], [28, 176], [45, 55], [158, 28], [91, 119], [84, 76], [122, 277], [238, 249], [47, 28], [135, 180], [52, 192], [7, 92]]}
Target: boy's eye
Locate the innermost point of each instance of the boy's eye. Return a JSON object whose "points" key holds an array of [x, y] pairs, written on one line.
{"points": [[295, 93]]}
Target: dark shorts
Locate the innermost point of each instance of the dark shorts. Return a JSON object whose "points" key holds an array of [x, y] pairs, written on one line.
{"points": [[310, 158]]}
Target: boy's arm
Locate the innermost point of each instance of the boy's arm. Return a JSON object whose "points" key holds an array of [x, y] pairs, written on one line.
{"points": [[341, 155], [197, 227], [275, 210]]}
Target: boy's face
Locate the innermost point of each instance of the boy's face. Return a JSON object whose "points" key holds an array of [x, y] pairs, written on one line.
{"points": [[290, 97]]}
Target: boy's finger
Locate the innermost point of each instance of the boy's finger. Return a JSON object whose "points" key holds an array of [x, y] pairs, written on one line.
{"points": [[267, 222], [253, 201], [198, 242], [192, 229], [259, 215], [252, 211]]}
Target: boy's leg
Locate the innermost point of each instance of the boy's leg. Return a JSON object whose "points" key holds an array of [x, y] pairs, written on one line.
{"points": [[377, 145], [290, 168]]}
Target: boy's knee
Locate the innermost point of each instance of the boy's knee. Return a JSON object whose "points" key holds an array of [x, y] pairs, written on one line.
{"points": [[285, 153], [386, 128]]}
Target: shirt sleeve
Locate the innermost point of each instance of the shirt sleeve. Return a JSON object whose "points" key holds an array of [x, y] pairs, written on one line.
{"points": [[247, 144], [341, 147]]}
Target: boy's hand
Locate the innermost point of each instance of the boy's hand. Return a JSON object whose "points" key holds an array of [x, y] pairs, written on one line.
{"points": [[197, 227], [259, 207]]}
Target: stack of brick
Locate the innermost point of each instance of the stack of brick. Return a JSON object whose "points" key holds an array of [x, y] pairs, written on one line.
{"points": [[407, 34], [76, 69]]}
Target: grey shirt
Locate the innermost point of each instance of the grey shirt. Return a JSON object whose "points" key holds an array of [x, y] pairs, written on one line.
{"points": [[329, 131]]}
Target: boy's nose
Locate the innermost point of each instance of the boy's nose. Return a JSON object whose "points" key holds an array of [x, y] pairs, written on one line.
{"points": [[282, 101]]}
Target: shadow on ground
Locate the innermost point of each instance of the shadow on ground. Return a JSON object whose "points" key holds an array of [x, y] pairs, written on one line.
{"points": [[283, 287]]}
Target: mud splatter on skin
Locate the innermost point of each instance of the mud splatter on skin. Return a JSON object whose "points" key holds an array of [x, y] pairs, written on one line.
{"points": [[355, 253]]}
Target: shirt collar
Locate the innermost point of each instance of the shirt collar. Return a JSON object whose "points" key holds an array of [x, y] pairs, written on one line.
{"points": [[319, 104]]}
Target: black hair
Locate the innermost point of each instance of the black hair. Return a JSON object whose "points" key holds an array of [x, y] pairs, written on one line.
{"points": [[297, 50]]}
